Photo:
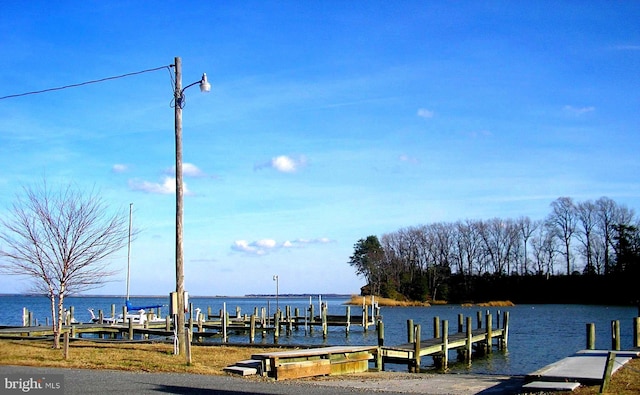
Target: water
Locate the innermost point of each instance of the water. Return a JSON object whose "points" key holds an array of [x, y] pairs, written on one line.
{"points": [[538, 334]]}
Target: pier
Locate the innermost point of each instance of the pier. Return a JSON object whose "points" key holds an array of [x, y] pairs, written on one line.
{"points": [[465, 341]]}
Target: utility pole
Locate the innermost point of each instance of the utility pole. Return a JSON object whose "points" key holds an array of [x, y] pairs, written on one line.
{"points": [[180, 325]]}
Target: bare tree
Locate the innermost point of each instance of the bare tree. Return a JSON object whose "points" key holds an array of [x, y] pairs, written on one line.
{"points": [[586, 212], [563, 220], [60, 239], [526, 228]]}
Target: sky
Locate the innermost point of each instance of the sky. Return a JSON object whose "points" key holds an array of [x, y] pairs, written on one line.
{"points": [[327, 122]]}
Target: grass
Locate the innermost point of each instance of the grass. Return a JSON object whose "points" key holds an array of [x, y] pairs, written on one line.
{"points": [[383, 302], [154, 357], [626, 381], [209, 360]]}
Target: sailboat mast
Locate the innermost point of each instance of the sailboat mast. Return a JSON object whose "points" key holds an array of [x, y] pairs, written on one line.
{"points": [[129, 251]]}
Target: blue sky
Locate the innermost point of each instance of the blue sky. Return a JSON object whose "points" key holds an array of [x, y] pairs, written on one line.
{"points": [[328, 121]]}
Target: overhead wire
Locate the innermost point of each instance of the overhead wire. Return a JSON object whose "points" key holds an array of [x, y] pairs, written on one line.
{"points": [[87, 82]]}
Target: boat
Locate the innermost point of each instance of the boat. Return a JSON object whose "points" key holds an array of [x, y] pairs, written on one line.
{"points": [[138, 314]]}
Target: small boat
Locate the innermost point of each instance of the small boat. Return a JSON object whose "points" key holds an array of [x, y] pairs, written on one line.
{"points": [[138, 314]]}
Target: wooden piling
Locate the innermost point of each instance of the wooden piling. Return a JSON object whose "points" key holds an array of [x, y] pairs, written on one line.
{"points": [[460, 323], [445, 345], [29, 318], [636, 332], [489, 324], [479, 319], [188, 346], [72, 312], [113, 311], [410, 331], [416, 351], [615, 335], [380, 328], [505, 330], [130, 328], [348, 319], [591, 336], [252, 329], [469, 344], [436, 327], [66, 345]]}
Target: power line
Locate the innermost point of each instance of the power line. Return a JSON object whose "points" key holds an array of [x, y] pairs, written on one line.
{"points": [[84, 83]]}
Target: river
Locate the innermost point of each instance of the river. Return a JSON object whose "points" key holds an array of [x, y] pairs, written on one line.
{"points": [[538, 334]]}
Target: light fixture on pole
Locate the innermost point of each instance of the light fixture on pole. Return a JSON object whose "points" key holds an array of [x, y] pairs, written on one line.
{"points": [[179, 102]]}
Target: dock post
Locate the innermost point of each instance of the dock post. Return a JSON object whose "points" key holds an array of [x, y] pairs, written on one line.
{"points": [[615, 335], [167, 325], [636, 332], [591, 336], [113, 312], [410, 331], [498, 319], [380, 327], [416, 349], [130, 328], [479, 319], [325, 326], [25, 316], [72, 311], [445, 345], [436, 327], [124, 315], [505, 330], [489, 333], [460, 323], [100, 317], [252, 329], [608, 369], [223, 321], [30, 318], [348, 317], [276, 327], [66, 345], [296, 313], [469, 345]]}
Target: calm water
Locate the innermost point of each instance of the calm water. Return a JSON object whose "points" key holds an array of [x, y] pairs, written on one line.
{"points": [[538, 334]]}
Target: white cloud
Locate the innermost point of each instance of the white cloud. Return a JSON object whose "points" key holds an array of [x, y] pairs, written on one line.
{"points": [[284, 163], [188, 170], [424, 113], [265, 246], [408, 159], [119, 168], [167, 187], [577, 111]]}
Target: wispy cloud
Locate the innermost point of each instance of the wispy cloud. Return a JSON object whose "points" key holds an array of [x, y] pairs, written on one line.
{"points": [[188, 170], [408, 159], [265, 246], [578, 111], [627, 47], [424, 113], [284, 164], [119, 168], [166, 187]]}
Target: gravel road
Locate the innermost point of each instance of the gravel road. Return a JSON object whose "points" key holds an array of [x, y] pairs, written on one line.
{"points": [[88, 381]]}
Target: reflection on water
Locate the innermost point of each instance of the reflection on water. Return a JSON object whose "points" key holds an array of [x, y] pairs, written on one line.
{"points": [[538, 334]]}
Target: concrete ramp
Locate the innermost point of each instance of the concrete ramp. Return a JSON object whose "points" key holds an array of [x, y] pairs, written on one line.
{"points": [[585, 367]]}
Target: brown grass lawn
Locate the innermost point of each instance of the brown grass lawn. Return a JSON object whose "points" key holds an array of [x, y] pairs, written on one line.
{"points": [[158, 357], [154, 357]]}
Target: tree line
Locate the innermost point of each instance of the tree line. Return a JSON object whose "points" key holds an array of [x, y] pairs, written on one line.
{"points": [[442, 260]]}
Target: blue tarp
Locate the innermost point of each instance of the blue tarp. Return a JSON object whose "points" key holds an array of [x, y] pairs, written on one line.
{"points": [[130, 307]]}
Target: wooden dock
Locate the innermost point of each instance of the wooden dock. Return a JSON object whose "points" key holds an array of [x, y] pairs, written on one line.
{"points": [[465, 342]]}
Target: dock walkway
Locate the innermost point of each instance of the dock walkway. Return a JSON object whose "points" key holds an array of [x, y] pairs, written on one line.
{"points": [[585, 367]]}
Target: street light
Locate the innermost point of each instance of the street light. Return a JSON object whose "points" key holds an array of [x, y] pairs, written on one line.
{"points": [[178, 96], [275, 278]]}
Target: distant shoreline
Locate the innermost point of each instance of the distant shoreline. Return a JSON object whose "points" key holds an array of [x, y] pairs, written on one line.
{"points": [[249, 296]]}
